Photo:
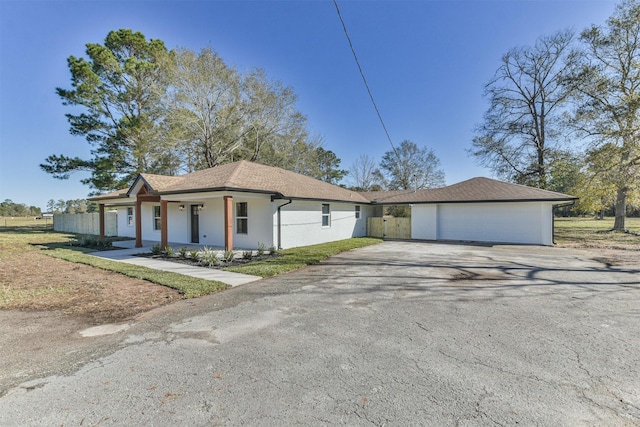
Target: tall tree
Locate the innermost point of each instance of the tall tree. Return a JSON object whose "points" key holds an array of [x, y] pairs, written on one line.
{"points": [[206, 107], [118, 89], [609, 109], [409, 167], [328, 166], [365, 174], [271, 115], [522, 127]]}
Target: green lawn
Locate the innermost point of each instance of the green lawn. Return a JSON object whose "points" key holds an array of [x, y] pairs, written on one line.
{"points": [[293, 259], [590, 232]]}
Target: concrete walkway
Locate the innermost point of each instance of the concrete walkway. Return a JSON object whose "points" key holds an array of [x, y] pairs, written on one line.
{"points": [[128, 255]]}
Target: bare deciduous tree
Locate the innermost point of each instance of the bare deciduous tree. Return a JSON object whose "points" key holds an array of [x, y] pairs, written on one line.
{"points": [[522, 127]]}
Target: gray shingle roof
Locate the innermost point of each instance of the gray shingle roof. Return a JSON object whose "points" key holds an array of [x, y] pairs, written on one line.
{"points": [[471, 190]]}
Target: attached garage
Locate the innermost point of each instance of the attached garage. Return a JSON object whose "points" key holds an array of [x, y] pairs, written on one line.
{"points": [[480, 210], [527, 222]]}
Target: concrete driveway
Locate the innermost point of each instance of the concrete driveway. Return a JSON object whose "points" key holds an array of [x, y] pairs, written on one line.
{"points": [[395, 334]]}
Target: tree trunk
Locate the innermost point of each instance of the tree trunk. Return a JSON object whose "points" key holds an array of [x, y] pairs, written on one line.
{"points": [[621, 209]]}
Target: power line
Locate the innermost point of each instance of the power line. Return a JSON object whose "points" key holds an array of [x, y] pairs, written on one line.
{"points": [[346, 33]]}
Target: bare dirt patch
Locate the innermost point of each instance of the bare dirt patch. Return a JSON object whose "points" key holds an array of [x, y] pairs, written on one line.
{"points": [[45, 304], [34, 281]]}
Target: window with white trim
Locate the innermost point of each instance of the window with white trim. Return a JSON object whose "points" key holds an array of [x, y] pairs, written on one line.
{"points": [[157, 220], [357, 211], [242, 218], [130, 217], [326, 215]]}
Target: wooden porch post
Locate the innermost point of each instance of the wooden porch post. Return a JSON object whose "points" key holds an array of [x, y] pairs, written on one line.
{"points": [[138, 222], [101, 216], [228, 223], [164, 228]]}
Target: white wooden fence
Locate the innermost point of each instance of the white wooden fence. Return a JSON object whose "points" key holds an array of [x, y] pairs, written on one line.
{"points": [[86, 223]]}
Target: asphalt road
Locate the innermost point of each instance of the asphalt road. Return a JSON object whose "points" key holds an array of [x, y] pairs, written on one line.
{"points": [[395, 334]]}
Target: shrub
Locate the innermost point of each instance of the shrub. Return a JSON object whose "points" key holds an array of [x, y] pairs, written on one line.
{"points": [[156, 249], [247, 254], [182, 252], [273, 250], [168, 251], [88, 241], [209, 257], [194, 254], [228, 256], [261, 248]]}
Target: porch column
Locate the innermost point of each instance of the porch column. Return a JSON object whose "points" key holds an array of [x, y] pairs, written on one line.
{"points": [[164, 233], [138, 223], [101, 216], [228, 223]]}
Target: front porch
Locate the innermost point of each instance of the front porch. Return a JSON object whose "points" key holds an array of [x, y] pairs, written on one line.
{"points": [[152, 219]]}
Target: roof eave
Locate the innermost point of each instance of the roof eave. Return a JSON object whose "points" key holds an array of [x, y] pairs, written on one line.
{"points": [[432, 202]]}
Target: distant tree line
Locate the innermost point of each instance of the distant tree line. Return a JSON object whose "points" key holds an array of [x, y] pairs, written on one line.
{"points": [[564, 115], [74, 206], [9, 208]]}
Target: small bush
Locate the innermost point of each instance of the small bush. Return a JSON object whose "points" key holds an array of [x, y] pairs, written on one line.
{"points": [[228, 256], [261, 248], [168, 251], [209, 257], [93, 242], [156, 249], [247, 254], [182, 252], [273, 250], [194, 254]]}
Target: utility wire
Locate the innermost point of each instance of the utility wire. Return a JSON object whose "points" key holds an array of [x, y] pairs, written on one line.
{"points": [[346, 33]]}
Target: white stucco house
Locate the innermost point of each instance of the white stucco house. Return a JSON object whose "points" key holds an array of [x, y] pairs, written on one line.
{"points": [[242, 204]]}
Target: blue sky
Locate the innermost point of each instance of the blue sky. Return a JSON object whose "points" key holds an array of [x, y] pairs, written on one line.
{"points": [[426, 63]]}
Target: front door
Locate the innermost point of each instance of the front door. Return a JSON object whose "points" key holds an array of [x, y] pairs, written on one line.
{"points": [[195, 224]]}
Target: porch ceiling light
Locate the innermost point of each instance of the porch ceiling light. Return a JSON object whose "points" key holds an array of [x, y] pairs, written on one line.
{"points": [[181, 207]]}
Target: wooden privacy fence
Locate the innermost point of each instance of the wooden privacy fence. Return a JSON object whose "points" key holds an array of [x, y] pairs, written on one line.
{"points": [[390, 228], [86, 223]]}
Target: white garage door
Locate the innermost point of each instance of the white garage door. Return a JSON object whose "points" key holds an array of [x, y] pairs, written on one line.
{"points": [[495, 222]]}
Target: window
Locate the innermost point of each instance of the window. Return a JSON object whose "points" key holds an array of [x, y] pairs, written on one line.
{"points": [[242, 220], [157, 222], [130, 217], [357, 211], [326, 215]]}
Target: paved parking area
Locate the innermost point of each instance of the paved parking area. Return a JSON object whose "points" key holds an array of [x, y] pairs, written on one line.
{"points": [[394, 334]]}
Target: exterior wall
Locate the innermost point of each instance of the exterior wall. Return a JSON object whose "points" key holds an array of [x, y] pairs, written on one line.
{"points": [[424, 224], [302, 223], [259, 229], [146, 213], [87, 223], [516, 222], [124, 229]]}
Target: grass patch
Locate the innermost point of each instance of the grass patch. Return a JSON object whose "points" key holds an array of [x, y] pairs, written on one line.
{"points": [[293, 259], [18, 297], [594, 233], [190, 287]]}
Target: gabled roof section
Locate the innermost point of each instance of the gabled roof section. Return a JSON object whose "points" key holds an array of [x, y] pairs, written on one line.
{"points": [[250, 177], [469, 191]]}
